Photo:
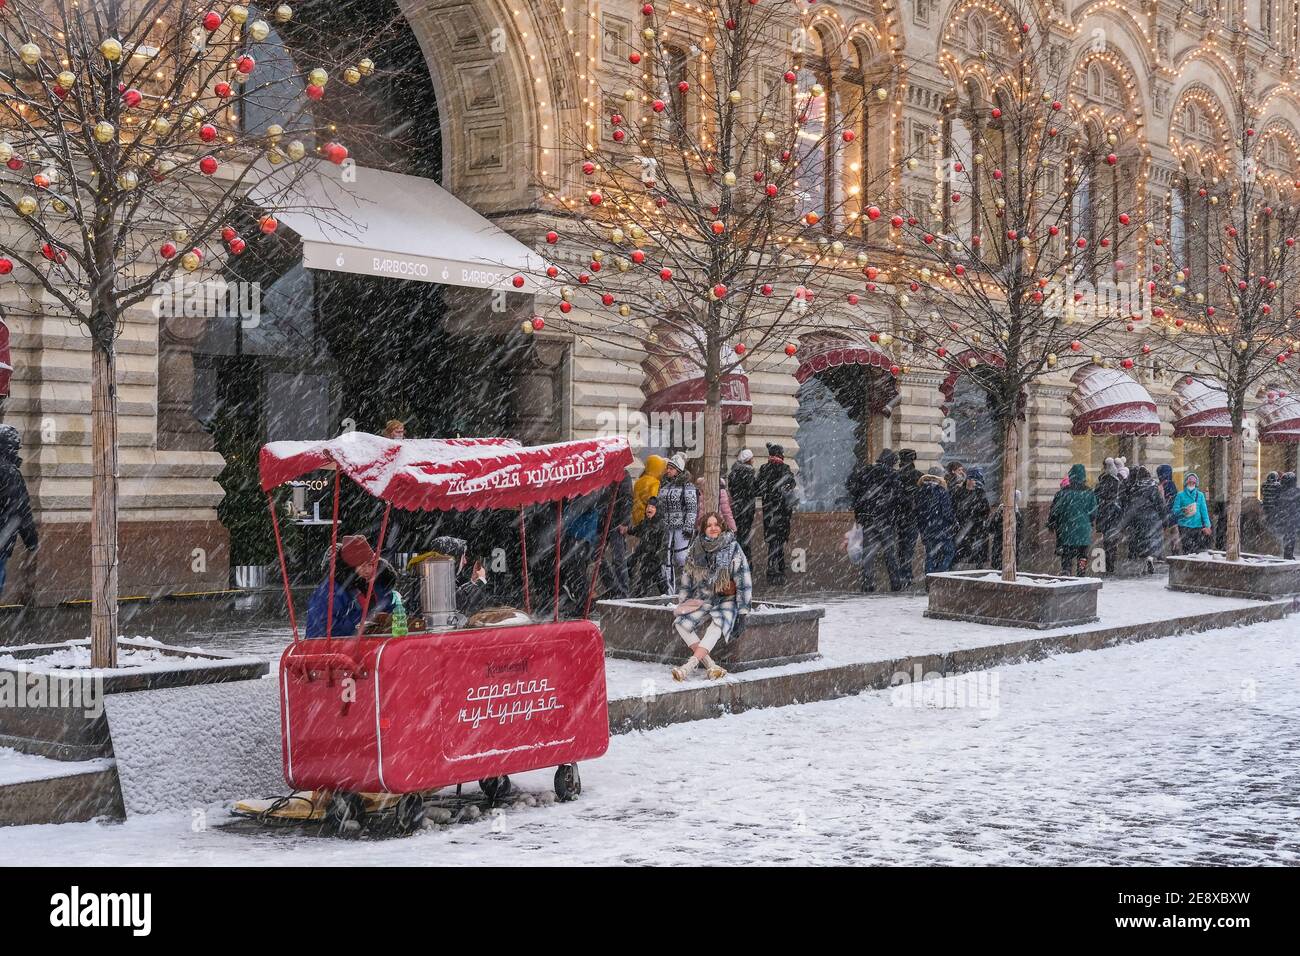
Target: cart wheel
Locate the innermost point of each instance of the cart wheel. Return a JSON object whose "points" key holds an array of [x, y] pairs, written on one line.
{"points": [[346, 814], [568, 783], [410, 813], [495, 787]]}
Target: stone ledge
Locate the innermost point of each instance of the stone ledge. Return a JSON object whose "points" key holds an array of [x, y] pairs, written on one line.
{"points": [[72, 798]]}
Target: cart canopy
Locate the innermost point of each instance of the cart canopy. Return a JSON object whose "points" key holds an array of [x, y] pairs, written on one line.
{"points": [[453, 474]]}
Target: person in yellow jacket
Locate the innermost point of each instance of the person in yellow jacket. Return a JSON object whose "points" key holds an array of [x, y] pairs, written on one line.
{"points": [[647, 486]]}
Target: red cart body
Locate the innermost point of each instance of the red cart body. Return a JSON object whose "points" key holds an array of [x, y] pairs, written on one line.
{"points": [[406, 714]]}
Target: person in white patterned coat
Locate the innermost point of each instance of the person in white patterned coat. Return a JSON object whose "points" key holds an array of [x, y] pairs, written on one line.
{"points": [[714, 594], [679, 504]]}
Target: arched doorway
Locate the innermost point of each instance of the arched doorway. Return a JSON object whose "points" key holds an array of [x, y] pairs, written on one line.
{"points": [[970, 433]]}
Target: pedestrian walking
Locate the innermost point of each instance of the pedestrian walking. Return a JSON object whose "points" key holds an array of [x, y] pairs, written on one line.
{"points": [[779, 493], [873, 490], [1110, 511], [1073, 511], [1193, 516], [935, 521], [742, 486], [679, 503], [647, 571], [1285, 523], [909, 476], [1143, 524], [16, 519], [613, 572], [971, 508]]}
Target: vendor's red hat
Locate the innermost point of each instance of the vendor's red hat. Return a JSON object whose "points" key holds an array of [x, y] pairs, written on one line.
{"points": [[355, 550]]}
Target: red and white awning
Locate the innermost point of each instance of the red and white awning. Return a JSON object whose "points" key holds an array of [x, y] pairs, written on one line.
{"points": [[675, 383], [1279, 419], [821, 351], [1201, 410], [1105, 401]]}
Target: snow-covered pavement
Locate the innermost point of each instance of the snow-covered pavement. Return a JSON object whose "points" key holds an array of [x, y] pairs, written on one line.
{"points": [[1176, 751]]}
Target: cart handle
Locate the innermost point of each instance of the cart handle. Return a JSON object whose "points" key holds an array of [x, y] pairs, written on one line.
{"points": [[305, 665]]}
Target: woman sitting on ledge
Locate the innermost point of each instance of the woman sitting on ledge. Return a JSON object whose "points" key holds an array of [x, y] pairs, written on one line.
{"points": [[716, 592]]}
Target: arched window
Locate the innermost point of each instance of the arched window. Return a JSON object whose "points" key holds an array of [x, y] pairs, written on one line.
{"points": [[815, 181], [676, 67]]}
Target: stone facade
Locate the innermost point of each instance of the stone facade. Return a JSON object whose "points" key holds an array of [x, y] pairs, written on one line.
{"points": [[511, 78]]}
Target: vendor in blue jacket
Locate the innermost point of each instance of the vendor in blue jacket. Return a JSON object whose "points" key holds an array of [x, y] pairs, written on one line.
{"points": [[357, 562]]}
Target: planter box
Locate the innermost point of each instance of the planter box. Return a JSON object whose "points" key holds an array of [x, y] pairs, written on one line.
{"points": [[66, 720], [1040, 601], [1259, 576], [641, 629]]}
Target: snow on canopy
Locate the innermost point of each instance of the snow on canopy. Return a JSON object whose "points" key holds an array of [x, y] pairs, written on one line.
{"points": [[1279, 419], [453, 474], [1105, 401], [1201, 410]]}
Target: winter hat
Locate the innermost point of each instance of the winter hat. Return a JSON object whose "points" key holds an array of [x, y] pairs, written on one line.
{"points": [[355, 551], [10, 439], [976, 475], [887, 458], [775, 451], [678, 461], [652, 500], [1272, 476], [1123, 473], [1078, 473], [1191, 480], [906, 456], [1109, 466], [745, 456]]}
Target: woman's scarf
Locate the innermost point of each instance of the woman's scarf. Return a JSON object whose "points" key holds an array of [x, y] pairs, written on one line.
{"points": [[709, 559]]}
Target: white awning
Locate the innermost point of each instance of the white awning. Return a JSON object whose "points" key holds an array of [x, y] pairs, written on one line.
{"points": [[371, 222]]}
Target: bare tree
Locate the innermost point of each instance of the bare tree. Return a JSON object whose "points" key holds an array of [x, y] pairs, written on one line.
{"points": [[1236, 321], [132, 132], [1018, 268], [713, 222]]}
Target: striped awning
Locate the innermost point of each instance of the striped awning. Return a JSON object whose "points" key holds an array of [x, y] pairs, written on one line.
{"points": [[1105, 401], [1201, 410], [1279, 419]]}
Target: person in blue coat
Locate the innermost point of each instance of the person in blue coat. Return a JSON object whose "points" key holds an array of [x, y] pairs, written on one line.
{"points": [[1192, 515], [936, 521], [357, 562]]}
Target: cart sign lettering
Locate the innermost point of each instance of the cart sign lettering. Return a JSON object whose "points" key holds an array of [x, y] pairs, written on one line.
{"points": [[533, 476], [505, 702]]}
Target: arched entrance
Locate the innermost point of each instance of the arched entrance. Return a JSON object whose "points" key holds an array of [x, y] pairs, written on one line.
{"points": [[970, 433]]}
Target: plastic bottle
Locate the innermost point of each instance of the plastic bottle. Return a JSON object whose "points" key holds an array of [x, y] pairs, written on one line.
{"points": [[398, 616]]}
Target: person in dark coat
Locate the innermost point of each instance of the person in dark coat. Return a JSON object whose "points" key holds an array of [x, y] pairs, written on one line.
{"points": [[935, 521], [613, 572], [1143, 524], [777, 488], [16, 519], [742, 486], [1285, 522], [1110, 511], [1073, 511], [971, 507], [874, 492], [1268, 492], [908, 478], [648, 561]]}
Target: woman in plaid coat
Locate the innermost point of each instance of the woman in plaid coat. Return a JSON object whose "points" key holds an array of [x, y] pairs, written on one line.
{"points": [[715, 592]]}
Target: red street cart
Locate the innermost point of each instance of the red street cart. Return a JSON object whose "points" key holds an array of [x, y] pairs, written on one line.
{"points": [[410, 714]]}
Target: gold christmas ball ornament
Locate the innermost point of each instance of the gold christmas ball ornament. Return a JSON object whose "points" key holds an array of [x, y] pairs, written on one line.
{"points": [[193, 117], [366, 66], [526, 327], [238, 12], [625, 310], [190, 261], [648, 34], [978, 159], [259, 30], [59, 206], [274, 133], [597, 255], [27, 206], [127, 179], [769, 138], [66, 80], [160, 125], [622, 264], [274, 156], [734, 96], [105, 132], [861, 258], [911, 162], [729, 178], [30, 54], [295, 150], [882, 94], [180, 235], [837, 248], [1051, 360], [616, 235], [352, 76], [283, 13], [6, 152], [318, 77], [111, 49], [166, 166]]}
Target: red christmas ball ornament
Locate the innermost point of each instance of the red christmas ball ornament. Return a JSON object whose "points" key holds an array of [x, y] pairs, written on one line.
{"points": [[6, 266], [1012, 235], [853, 298], [211, 21], [245, 64], [848, 136], [894, 370], [871, 287], [790, 76], [588, 167], [1056, 104], [683, 87], [1053, 131], [552, 272], [268, 224], [131, 98], [207, 132], [583, 278], [791, 348], [41, 181], [912, 220], [222, 89], [228, 233], [208, 165], [566, 307], [607, 299], [766, 289], [238, 245], [1024, 28], [539, 323], [1290, 240], [1053, 230], [1250, 132], [871, 272], [997, 174], [719, 291], [1081, 242], [1127, 363], [648, 10], [315, 92], [771, 191], [336, 153], [718, 227], [1104, 243], [53, 252], [731, 23], [552, 237], [941, 352], [740, 348], [958, 167], [1111, 159], [1179, 323], [873, 213], [1146, 350], [517, 282], [167, 250], [960, 270], [658, 106], [1076, 345], [638, 256], [1124, 219], [634, 58], [996, 113], [873, 337], [620, 135], [1209, 310], [956, 197], [595, 199], [666, 274], [896, 222], [928, 238]]}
